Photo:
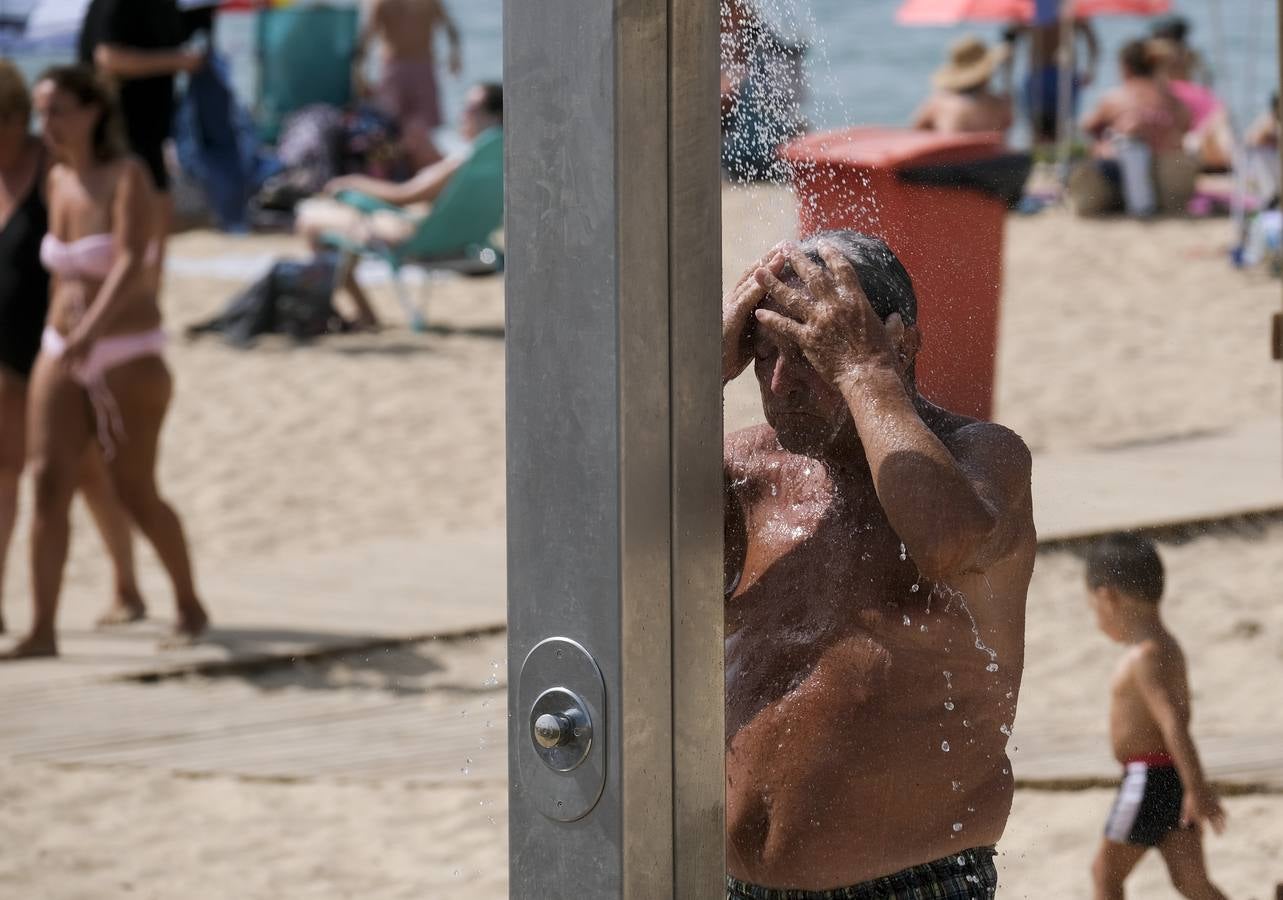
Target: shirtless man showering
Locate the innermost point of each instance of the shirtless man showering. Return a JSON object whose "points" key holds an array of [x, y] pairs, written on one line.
{"points": [[880, 550]]}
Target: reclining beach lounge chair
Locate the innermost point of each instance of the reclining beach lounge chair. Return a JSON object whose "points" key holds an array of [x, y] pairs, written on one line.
{"points": [[457, 234]]}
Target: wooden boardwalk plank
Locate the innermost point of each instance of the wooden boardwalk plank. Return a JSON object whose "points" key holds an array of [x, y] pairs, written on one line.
{"points": [[1198, 479]]}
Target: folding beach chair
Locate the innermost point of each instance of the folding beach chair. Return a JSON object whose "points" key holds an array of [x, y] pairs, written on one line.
{"points": [[457, 234]]}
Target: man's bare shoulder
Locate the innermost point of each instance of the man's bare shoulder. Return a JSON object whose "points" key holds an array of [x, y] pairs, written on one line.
{"points": [[750, 444], [750, 453], [989, 449]]}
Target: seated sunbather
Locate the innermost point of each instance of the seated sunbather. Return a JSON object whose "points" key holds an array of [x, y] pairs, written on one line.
{"points": [[371, 211], [962, 101], [1141, 164]]}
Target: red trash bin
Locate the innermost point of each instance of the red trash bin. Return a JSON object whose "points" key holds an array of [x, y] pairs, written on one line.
{"points": [[949, 239]]}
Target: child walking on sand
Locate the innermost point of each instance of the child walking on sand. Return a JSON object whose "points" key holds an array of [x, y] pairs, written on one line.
{"points": [[1164, 798]]}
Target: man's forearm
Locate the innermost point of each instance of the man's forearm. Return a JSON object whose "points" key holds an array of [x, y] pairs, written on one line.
{"points": [[928, 499], [385, 191], [130, 62]]}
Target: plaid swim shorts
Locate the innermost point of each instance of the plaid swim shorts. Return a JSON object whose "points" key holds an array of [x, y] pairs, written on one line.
{"points": [[969, 875]]}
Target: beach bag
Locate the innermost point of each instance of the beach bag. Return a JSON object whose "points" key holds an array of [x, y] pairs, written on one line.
{"points": [[295, 298]]}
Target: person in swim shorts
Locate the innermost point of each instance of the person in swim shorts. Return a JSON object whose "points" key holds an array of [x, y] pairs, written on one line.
{"points": [[407, 88], [1164, 800], [1042, 78], [879, 550], [100, 374], [24, 302]]}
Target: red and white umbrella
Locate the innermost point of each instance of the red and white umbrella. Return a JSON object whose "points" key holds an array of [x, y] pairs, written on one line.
{"points": [[951, 12]]}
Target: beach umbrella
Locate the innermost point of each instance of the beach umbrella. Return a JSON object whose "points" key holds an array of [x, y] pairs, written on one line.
{"points": [[1044, 12], [951, 12]]}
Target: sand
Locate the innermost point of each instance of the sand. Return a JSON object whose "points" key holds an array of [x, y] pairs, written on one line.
{"points": [[1112, 333]]}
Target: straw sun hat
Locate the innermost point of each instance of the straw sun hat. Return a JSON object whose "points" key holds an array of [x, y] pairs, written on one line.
{"points": [[970, 64]]}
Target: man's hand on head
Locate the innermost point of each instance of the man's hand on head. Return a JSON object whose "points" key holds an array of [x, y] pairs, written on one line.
{"points": [[737, 311], [829, 318]]}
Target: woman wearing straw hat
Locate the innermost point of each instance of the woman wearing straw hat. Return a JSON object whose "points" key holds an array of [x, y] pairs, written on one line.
{"points": [[962, 101]]}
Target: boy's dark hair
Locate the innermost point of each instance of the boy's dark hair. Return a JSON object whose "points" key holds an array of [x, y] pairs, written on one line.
{"points": [[882, 276], [1128, 563]]}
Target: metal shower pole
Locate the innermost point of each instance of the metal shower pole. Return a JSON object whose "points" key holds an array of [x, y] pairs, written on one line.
{"points": [[614, 449], [1276, 336]]}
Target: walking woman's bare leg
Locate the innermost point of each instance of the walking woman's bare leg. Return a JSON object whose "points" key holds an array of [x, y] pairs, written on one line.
{"points": [[58, 429], [114, 526], [13, 451], [142, 389]]}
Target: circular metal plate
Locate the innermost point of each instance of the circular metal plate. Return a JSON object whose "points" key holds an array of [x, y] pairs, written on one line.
{"points": [[564, 784]]}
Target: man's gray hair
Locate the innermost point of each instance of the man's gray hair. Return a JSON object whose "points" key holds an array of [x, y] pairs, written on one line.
{"points": [[882, 275]]}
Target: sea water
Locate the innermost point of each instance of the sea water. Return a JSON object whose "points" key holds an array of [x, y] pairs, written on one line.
{"points": [[875, 71]]}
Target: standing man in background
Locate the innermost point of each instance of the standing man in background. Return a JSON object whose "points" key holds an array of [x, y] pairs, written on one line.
{"points": [[1042, 81], [407, 88], [137, 44]]}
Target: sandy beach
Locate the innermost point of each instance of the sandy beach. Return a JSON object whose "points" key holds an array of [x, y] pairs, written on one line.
{"points": [[1112, 334]]}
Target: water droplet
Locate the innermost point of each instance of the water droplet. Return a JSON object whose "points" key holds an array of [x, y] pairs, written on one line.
{"points": [[966, 723], [456, 873], [992, 667], [1005, 730], [906, 622], [957, 785], [948, 704], [957, 826], [944, 745], [904, 553], [922, 628], [913, 588]]}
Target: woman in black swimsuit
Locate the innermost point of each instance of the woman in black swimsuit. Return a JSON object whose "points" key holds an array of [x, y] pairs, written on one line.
{"points": [[24, 299]]}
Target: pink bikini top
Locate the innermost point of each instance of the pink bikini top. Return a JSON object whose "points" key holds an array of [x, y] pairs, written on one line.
{"points": [[92, 256]]}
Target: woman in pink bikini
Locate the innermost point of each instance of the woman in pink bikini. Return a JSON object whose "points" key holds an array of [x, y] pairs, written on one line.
{"points": [[99, 375], [24, 302]]}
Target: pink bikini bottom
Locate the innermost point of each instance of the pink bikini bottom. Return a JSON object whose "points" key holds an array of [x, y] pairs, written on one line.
{"points": [[106, 353]]}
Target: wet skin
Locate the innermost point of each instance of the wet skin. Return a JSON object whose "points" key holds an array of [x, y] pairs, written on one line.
{"points": [[836, 709], [1149, 707]]}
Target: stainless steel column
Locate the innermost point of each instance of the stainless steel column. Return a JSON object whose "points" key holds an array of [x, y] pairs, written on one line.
{"points": [[614, 448]]}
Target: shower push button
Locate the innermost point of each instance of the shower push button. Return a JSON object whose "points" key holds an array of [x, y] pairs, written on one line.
{"points": [[561, 729], [560, 714]]}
